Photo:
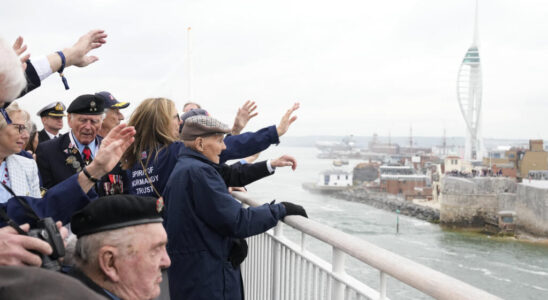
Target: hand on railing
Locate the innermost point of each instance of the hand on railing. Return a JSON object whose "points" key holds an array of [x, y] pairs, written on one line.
{"points": [[294, 209]]}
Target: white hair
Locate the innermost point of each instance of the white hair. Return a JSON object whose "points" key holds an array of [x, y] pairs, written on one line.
{"points": [[12, 76], [87, 247]]}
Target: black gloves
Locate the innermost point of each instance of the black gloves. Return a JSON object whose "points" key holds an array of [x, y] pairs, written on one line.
{"points": [[294, 209], [238, 252]]}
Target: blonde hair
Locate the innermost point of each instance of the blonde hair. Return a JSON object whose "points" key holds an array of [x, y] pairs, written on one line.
{"points": [[152, 120], [12, 109], [11, 72]]}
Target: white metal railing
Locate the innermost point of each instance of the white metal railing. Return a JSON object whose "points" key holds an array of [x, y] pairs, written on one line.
{"points": [[277, 268]]}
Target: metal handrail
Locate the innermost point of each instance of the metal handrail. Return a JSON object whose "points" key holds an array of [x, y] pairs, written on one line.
{"points": [[418, 276]]}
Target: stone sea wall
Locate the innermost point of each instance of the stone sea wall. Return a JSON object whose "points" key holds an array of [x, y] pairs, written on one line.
{"points": [[531, 207], [468, 202]]}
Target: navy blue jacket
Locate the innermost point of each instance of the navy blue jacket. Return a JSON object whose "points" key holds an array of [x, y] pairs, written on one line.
{"points": [[60, 202], [201, 219], [159, 169], [249, 143], [33, 80]]}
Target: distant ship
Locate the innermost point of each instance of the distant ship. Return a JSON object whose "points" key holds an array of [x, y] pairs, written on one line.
{"points": [[340, 162], [347, 143]]}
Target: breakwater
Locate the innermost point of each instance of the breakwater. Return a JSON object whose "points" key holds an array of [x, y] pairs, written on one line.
{"points": [[389, 202]]}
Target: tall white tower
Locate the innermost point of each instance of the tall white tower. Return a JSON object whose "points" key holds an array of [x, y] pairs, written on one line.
{"points": [[469, 89]]}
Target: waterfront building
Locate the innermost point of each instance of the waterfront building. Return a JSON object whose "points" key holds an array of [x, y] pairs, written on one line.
{"points": [[454, 163], [366, 172], [410, 186], [534, 159], [334, 178], [396, 170], [469, 95]]}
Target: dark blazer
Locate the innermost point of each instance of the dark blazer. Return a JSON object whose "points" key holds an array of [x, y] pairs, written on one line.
{"points": [[43, 136], [80, 276], [56, 162]]}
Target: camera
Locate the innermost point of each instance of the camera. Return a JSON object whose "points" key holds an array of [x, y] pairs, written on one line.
{"points": [[47, 231]]}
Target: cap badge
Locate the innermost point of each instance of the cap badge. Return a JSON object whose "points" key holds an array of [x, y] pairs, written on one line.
{"points": [[59, 106], [92, 106]]}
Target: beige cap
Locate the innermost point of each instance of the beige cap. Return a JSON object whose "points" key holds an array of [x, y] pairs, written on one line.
{"points": [[201, 125]]}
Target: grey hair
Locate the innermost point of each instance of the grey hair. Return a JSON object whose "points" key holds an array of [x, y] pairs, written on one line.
{"points": [[87, 247], [14, 80]]}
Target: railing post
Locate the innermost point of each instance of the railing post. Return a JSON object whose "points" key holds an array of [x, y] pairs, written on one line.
{"points": [[303, 239], [337, 291], [382, 288], [276, 261]]}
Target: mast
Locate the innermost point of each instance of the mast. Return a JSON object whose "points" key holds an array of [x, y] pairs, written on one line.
{"points": [[476, 34], [188, 65]]}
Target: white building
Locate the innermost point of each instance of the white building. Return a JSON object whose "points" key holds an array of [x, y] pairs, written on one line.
{"points": [[335, 178]]}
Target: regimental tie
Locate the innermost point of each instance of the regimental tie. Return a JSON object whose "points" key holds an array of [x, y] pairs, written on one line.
{"points": [[87, 155]]}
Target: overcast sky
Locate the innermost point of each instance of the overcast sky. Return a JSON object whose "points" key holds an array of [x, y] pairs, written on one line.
{"points": [[357, 67]]}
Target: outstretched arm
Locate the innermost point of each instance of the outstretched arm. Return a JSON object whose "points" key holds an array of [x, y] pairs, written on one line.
{"points": [[287, 120], [40, 68], [77, 55], [109, 154], [245, 113], [241, 175]]}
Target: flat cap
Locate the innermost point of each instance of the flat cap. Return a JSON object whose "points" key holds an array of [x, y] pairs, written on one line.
{"points": [[201, 125], [116, 211], [87, 105], [110, 101], [191, 113], [54, 109]]}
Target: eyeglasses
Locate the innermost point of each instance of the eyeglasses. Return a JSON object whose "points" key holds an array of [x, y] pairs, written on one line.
{"points": [[20, 127], [177, 116]]}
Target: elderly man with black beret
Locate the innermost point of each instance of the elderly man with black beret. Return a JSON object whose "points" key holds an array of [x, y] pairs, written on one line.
{"points": [[121, 247], [60, 158], [204, 223]]}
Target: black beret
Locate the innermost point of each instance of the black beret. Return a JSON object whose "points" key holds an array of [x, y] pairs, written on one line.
{"points": [[116, 211], [87, 105]]}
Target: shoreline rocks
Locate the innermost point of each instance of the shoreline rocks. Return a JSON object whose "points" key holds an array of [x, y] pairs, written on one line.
{"points": [[389, 202]]}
